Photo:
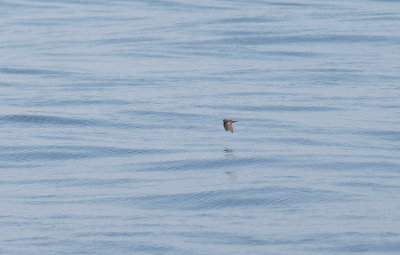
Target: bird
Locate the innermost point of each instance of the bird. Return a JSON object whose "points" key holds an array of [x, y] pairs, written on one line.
{"points": [[228, 124]]}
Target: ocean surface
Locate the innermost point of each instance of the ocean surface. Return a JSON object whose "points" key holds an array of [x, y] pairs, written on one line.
{"points": [[111, 135]]}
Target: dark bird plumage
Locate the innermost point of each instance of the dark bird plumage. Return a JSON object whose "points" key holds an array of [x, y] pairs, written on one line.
{"points": [[228, 125]]}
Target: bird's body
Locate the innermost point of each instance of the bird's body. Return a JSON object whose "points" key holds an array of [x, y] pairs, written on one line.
{"points": [[228, 124]]}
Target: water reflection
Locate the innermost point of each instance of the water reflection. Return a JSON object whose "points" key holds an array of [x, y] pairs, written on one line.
{"points": [[228, 152], [232, 175]]}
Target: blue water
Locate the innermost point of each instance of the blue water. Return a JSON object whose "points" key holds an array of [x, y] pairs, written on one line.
{"points": [[111, 131]]}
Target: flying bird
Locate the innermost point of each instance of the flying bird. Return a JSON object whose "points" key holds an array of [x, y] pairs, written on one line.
{"points": [[228, 125]]}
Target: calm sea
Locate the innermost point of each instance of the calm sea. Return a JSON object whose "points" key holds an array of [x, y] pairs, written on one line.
{"points": [[111, 136]]}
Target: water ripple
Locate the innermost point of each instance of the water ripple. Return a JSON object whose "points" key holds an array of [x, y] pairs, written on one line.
{"points": [[267, 40], [273, 197], [203, 164], [69, 182], [45, 120], [274, 108], [39, 153], [30, 71]]}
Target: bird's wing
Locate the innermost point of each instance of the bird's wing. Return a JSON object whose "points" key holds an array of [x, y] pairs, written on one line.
{"points": [[226, 126], [230, 127]]}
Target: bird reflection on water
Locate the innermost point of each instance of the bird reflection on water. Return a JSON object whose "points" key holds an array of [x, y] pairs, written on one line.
{"points": [[231, 174], [228, 152]]}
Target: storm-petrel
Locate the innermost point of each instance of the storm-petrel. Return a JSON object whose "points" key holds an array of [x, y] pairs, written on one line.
{"points": [[228, 125]]}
